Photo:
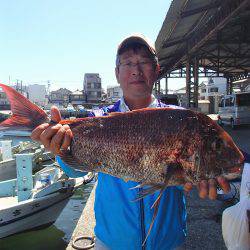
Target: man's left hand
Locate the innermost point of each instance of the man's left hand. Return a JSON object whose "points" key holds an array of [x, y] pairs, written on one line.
{"points": [[209, 188]]}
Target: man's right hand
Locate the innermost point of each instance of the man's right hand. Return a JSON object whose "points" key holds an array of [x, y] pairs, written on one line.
{"points": [[53, 137]]}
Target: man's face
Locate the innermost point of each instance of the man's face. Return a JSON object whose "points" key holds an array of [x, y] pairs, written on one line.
{"points": [[136, 73]]}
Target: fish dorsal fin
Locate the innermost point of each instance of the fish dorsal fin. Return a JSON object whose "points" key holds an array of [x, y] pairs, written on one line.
{"points": [[25, 113], [115, 114], [74, 122], [139, 111], [152, 109]]}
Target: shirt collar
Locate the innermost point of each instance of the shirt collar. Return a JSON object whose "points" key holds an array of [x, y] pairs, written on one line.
{"points": [[124, 108]]}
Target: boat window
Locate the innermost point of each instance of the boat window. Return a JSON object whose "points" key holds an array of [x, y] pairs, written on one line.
{"points": [[221, 104], [228, 102]]}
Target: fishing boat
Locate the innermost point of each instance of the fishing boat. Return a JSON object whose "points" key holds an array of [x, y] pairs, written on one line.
{"points": [[19, 133], [7, 157], [34, 201]]}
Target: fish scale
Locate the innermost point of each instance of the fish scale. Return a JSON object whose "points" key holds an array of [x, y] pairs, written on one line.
{"points": [[142, 144]]}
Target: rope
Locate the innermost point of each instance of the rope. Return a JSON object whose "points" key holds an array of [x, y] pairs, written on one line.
{"points": [[91, 245]]}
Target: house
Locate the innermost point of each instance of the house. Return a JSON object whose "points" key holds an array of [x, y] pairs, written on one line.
{"points": [[114, 93], [209, 90], [92, 86], [60, 97], [77, 97], [212, 87]]}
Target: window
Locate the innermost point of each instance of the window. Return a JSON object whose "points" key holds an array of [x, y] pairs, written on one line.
{"points": [[215, 89], [203, 91], [97, 85], [229, 102], [221, 104]]}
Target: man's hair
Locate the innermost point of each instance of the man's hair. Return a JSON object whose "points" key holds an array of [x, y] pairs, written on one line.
{"points": [[135, 47]]}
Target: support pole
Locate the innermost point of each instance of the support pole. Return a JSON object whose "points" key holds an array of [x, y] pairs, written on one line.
{"points": [[159, 87], [188, 81], [166, 85], [196, 82], [24, 176], [229, 85]]}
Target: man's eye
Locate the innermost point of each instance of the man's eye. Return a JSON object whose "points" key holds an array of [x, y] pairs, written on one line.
{"points": [[126, 64]]}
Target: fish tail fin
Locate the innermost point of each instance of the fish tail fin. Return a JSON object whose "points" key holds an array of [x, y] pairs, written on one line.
{"points": [[25, 114]]}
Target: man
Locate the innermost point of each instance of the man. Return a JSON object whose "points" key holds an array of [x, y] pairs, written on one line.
{"points": [[121, 223]]}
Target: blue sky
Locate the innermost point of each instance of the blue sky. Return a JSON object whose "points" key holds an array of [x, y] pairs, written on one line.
{"points": [[61, 40]]}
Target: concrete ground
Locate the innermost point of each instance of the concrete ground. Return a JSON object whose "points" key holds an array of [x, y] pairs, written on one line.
{"points": [[241, 136], [204, 215]]}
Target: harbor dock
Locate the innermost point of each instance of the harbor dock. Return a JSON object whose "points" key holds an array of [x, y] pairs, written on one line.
{"points": [[85, 225]]}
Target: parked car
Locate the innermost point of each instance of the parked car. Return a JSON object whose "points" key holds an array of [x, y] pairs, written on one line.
{"points": [[234, 109], [170, 99]]}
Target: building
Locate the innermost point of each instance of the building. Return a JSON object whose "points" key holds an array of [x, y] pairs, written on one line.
{"points": [[114, 93], [37, 94], [212, 87], [209, 90], [92, 87], [4, 103], [77, 97], [60, 97]]}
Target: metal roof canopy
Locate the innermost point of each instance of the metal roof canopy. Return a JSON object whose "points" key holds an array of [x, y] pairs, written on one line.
{"points": [[212, 34]]}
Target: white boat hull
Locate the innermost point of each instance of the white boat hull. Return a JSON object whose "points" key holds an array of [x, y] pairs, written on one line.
{"points": [[32, 213]]}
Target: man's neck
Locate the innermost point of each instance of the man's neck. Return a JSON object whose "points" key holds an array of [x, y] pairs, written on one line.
{"points": [[138, 103]]}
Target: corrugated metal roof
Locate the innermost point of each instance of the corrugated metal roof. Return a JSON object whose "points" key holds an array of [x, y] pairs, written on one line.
{"points": [[215, 31]]}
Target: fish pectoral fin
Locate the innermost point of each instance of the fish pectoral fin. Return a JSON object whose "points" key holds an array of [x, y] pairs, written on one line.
{"points": [[150, 190], [68, 158], [138, 186], [156, 207]]}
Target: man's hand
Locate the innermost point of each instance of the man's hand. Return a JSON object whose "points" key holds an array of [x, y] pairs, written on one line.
{"points": [[53, 137], [209, 188]]}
